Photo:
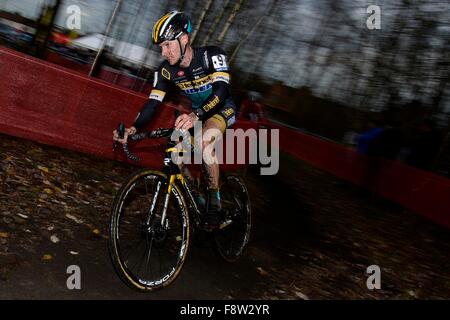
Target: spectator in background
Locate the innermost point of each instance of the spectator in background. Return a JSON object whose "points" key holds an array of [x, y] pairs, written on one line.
{"points": [[367, 137], [251, 109], [369, 147], [388, 142]]}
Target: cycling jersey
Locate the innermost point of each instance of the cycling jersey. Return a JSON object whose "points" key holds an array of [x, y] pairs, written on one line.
{"points": [[205, 82]]}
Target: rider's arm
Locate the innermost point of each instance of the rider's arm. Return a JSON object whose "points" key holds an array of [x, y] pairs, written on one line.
{"points": [[214, 102], [160, 84], [220, 83], [146, 113]]}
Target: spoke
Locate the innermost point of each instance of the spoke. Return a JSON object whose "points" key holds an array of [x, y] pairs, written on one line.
{"points": [[143, 254], [159, 255], [136, 246], [142, 241], [148, 259]]}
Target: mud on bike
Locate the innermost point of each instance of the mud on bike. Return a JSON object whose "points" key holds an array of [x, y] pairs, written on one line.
{"points": [[155, 215]]}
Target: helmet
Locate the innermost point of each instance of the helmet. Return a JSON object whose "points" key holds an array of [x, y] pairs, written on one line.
{"points": [[171, 26]]}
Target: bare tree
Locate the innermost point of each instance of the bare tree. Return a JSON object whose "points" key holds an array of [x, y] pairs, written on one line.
{"points": [[215, 23], [200, 20], [236, 8], [108, 29], [264, 16]]}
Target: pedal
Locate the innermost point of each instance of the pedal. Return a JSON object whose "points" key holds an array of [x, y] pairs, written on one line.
{"points": [[207, 228], [210, 228], [225, 224]]}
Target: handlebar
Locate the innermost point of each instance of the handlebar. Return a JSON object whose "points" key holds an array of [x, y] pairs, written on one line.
{"points": [[158, 133]]}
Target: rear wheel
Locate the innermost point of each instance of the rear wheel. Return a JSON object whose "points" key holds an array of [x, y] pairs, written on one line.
{"points": [[146, 253], [232, 240]]}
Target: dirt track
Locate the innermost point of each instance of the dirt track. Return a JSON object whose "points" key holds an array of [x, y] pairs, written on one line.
{"points": [[314, 236]]}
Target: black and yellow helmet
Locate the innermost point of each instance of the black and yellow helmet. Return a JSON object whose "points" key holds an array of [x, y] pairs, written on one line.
{"points": [[171, 26]]}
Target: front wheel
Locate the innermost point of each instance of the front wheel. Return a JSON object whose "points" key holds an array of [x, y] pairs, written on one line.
{"points": [[148, 253], [232, 240]]}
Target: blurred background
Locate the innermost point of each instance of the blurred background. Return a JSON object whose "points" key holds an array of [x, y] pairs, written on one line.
{"points": [[311, 65]]}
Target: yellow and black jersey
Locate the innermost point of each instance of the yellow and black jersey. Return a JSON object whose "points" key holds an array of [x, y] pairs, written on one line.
{"points": [[205, 82]]}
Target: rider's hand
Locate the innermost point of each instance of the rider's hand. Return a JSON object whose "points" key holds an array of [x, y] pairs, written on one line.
{"points": [[128, 131], [185, 121]]}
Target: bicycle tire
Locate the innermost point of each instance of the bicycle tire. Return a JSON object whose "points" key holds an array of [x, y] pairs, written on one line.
{"points": [[232, 240], [177, 213]]}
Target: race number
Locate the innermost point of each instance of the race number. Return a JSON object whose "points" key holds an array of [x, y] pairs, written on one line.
{"points": [[219, 62]]}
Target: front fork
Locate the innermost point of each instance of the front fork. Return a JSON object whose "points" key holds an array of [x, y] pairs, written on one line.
{"points": [[166, 200], [155, 198], [174, 173], [172, 178]]}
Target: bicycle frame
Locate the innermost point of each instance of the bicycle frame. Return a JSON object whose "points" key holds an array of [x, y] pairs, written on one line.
{"points": [[173, 172]]}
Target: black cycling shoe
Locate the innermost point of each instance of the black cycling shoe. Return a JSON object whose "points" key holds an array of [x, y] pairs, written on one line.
{"points": [[213, 218]]}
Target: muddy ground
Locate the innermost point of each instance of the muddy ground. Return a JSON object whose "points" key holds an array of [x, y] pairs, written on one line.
{"points": [[314, 236]]}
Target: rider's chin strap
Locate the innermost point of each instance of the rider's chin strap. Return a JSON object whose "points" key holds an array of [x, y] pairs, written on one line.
{"points": [[183, 52]]}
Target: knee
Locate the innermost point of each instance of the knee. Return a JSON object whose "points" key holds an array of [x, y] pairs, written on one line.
{"points": [[205, 144]]}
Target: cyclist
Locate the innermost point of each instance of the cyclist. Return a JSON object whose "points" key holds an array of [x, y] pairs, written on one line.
{"points": [[202, 74]]}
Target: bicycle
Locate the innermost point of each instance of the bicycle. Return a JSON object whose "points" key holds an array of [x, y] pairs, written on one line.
{"points": [[155, 212]]}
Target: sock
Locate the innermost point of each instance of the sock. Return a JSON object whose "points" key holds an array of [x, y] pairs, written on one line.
{"points": [[214, 197]]}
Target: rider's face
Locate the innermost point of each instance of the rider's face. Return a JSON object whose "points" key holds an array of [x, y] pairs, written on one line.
{"points": [[170, 50]]}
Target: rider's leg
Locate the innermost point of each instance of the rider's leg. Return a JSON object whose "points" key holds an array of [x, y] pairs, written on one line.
{"points": [[193, 183], [212, 132], [186, 173]]}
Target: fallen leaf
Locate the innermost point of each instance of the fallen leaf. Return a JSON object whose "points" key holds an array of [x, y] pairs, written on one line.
{"points": [[74, 253], [60, 190], [43, 196], [301, 295], [71, 217], [412, 293], [4, 235], [47, 257], [96, 232], [48, 191], [261, 271], [22, 216], [54, 238], [45, 169]]}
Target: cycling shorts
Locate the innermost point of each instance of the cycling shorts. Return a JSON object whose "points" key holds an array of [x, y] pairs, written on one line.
{"points": [[226, 116]]}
